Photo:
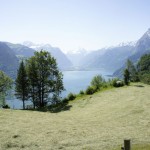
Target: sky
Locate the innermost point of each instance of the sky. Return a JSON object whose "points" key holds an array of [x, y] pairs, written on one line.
{"points": [[74, 24]]}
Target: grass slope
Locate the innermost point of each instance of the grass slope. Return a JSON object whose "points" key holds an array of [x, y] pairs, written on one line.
{"points": [[98, 122]]}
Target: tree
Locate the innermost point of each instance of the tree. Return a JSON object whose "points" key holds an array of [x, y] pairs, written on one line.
{"points": [[21, 88], [126, 77], [97, 82], [5, 84], [132, 70], [45, 78], [32, 79], [143, 67]]}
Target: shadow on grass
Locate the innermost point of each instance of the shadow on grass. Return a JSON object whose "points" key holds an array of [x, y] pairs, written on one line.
{"points": [[63, 106], [139, 86]]}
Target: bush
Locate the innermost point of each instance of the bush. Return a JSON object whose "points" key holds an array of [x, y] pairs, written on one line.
{"points": [[117, 83], [81, 92], [71, 96], [98, 82], [6, 106], [90, 90], [65, 100]]}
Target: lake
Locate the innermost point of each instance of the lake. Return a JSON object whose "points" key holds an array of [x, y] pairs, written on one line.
{"points": [[74, 81]]}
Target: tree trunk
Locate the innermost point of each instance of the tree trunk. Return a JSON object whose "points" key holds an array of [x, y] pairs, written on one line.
{"points": [[23, 104]]}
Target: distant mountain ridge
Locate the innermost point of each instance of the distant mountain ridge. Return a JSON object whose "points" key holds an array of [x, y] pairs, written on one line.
{"points": [[63, 62], [142, 47], [21, 50], [108, 59], [113, 58], [10, 54]]}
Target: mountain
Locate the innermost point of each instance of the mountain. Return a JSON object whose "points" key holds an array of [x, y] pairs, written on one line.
{"points": [[76, 56], [63, 62], [21, 50], [8, 60], [142, 47], [107, 58]]}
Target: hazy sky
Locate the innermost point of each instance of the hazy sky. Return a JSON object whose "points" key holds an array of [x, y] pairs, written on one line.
{"points": [[74, 24]]}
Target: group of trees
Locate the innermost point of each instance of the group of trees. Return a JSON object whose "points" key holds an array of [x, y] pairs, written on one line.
{"points": [[138, 72], [39, 80]]}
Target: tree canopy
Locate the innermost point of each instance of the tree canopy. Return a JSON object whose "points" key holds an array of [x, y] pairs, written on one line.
{"points": [[41, 79]]}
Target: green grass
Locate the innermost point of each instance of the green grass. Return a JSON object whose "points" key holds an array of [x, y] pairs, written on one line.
{"points": [[95, 122]]}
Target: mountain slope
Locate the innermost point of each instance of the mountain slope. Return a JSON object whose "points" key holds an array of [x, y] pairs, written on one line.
{"points": [[21, 50], [142, 47], [97, 122], [108, 59], [8, 60], [63, 62]]}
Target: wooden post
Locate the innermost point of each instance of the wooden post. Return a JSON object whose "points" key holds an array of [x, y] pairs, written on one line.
{"points": [[127, 145]]}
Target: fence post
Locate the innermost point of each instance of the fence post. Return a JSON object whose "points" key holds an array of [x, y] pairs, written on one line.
{"points": [[127, 145]]}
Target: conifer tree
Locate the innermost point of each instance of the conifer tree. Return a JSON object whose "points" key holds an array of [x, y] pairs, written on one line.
{"points": [[126, 77], [132, 70], [21, 88]]}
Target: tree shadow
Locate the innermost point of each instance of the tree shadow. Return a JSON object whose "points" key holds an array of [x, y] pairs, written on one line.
{"points": [[60, 108], [139, 86], [55, 108]]}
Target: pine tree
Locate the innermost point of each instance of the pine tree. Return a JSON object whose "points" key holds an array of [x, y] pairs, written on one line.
{"points": [[132, 70], [126, 77], [21, 88]]}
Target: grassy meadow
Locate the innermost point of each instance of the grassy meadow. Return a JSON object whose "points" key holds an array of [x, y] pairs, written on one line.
{"points": [[95, 122]]}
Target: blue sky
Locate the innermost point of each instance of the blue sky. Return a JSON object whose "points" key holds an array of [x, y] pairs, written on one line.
{"points": [[74, 24]]}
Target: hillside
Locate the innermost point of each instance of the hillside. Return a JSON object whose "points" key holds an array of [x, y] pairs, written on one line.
{"points": [[97, 122], [21, 50], [8, 60], [109, 59]]}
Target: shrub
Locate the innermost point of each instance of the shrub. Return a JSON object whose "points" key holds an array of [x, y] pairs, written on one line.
{"points": [[71, 96], [65, 100], [98, 82], [6, 106], [90, 90], [81, 92], [117, 83]]}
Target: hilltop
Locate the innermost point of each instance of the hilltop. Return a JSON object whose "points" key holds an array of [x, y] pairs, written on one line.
{"points": [[97, 122]]}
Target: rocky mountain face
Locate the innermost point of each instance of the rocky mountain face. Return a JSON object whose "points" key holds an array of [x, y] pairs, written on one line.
{"points": [[8, 60]]}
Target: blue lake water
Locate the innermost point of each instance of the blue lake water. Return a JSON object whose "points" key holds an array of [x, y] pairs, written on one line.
{"points": [[74, 81]]}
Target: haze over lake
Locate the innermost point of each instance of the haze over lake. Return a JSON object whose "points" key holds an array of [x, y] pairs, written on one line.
{"points": [[74, 81]]}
